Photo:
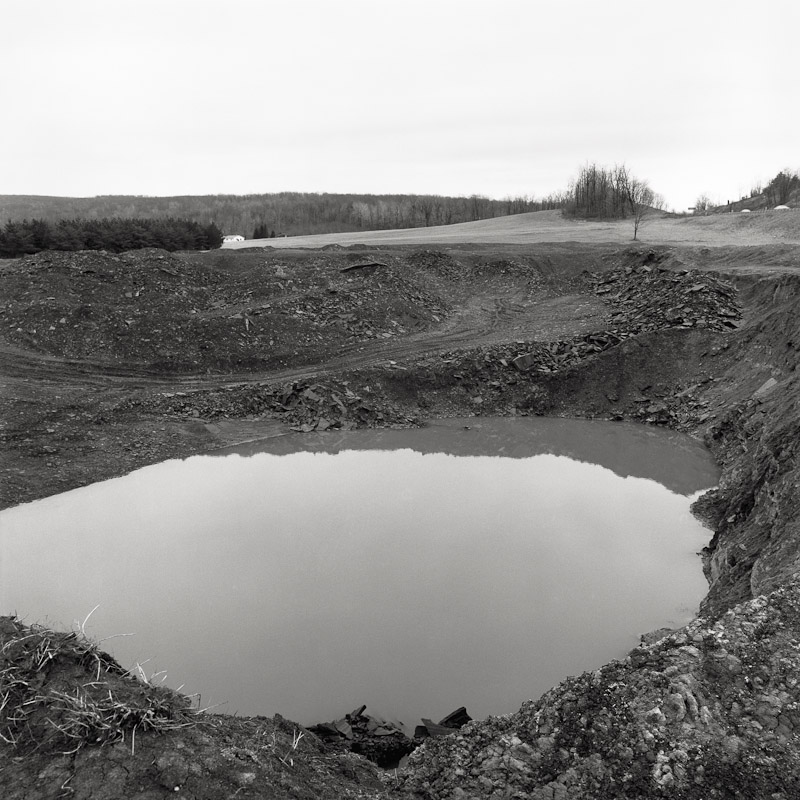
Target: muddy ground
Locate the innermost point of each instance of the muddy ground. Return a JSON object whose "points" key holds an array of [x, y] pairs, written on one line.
{"points": [[111, 362]]}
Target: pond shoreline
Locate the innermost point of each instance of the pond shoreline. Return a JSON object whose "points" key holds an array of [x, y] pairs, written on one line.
{"points": [[448, 554]]}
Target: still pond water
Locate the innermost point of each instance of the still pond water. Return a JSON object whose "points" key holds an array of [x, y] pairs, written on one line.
{"points": [[414, 571]]}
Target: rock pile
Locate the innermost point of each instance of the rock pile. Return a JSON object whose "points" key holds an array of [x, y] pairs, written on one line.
{"points": [[305, 405], [384, 743], [647, 298], [643, 299], [370, 303], [453, 721], [683, 407], [99, 305], [436, 262], [184, 313], [502, 379], [437, 266]]}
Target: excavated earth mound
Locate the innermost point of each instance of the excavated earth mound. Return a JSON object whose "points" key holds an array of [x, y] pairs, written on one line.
{"points": [[113, 362]]}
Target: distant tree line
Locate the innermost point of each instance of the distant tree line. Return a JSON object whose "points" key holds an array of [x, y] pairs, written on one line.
{"points": [[608, 193], [261, 231], [117, 234], [596, 193], [284, 213], [780, 189]]}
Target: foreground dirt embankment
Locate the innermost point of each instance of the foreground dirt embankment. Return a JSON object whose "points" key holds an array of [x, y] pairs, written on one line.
{"points": [[113, 362]]}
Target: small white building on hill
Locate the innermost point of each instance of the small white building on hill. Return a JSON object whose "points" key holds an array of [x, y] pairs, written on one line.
{"points": [[233, 237]]}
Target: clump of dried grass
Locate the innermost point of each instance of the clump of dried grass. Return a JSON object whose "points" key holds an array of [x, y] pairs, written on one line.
{"points": [[59, 691]]}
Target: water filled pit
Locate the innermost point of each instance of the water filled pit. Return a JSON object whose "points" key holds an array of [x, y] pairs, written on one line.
{"points": [[414, 571]]}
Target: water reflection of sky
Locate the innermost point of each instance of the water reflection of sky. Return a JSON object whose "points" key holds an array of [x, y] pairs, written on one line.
{"points": [[675, 460], [415, 582]]}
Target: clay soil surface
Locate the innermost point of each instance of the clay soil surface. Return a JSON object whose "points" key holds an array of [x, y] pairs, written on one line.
{"points": [[112, 362]]}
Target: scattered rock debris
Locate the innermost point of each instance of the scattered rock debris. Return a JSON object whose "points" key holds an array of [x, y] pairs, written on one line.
{"points": [[453, 721], [304, 405], [642, 300], [384, 743], [169, 313], [647, 298]]}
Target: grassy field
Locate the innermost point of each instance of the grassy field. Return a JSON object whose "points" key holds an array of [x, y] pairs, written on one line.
{"points": [[550, 226]]}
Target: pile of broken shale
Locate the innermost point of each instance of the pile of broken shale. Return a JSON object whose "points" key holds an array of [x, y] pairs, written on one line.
{"points": [[382, 741], [708, 711], [491, 375], [151, 308]]}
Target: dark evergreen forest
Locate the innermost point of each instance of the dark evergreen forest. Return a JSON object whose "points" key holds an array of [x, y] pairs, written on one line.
{"points": [[118, 234]]}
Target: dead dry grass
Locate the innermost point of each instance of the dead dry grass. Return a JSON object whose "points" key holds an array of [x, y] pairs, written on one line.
{"points": [[550, 226], [60, 692]]}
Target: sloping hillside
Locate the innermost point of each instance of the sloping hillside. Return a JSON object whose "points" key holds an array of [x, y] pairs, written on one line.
{"points": [[551, 226]]}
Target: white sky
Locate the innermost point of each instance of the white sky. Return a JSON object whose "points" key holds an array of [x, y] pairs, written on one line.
{"points": [[495, 97]]}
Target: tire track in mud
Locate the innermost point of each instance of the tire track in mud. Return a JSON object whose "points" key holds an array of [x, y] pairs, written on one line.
{"points": [[482, 321]]}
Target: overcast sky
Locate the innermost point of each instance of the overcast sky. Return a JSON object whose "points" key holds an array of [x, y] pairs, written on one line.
{"points": [[494, 97]]}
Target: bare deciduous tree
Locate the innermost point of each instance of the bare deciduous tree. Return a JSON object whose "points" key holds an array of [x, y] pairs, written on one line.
{"points": [[640, 199], [611, 194], [702, 204], [780, 188]]}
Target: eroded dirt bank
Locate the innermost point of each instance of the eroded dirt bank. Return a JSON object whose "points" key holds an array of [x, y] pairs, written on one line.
{"points": [[113, 362]]}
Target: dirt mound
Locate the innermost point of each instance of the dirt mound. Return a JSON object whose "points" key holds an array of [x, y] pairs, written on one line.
{"points": [[74, 724], [444, 265], [44, 711], [304, 405], [651, 297], [172, 313]]}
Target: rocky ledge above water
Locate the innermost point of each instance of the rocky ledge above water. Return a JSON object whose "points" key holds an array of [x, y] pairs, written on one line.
{"points": [[709, 711]]}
